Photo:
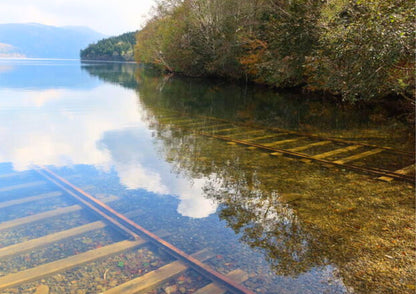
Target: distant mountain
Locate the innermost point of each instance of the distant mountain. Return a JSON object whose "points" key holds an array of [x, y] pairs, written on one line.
{"points": [[119, 48], [7, 50], [43, 41]]}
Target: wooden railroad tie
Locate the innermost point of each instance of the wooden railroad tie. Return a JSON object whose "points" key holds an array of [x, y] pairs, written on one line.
{"points": [[47, 269], [403, 171], [22, 186], [30, 199], [49, 239], [158, 276], [37, 217], [13, 174]]}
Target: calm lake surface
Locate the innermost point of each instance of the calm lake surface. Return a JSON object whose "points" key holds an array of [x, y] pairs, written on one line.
{"points": [[293, 227]]}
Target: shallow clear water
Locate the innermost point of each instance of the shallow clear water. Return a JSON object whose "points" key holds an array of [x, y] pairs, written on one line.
{"points": [[114, 130]]}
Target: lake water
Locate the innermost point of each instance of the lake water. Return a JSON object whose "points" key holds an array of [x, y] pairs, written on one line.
{"points": [[294, 227]]}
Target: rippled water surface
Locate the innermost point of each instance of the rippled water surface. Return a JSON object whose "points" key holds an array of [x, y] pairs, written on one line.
{"points": [[134, 139]]}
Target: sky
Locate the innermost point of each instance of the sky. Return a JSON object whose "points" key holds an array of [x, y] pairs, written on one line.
{"points": [[110, 17]]}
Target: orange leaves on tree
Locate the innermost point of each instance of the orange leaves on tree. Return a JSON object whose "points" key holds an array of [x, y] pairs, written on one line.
{"points": [[254, 52]]}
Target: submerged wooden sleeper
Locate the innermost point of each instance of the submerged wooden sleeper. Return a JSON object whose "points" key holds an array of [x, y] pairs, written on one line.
{"points": [[304, 147], [22, 186], [237, 275], [403, 171], [157, 276], [49, 239], [358, 156], [30, 199], [336, 151], [66, 263], [38, 217], [283, 141]]}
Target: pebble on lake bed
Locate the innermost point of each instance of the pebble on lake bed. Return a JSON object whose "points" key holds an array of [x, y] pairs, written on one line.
{"points": [[42, 289], [171, 289]]}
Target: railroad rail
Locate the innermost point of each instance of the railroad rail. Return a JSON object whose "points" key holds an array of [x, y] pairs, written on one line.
{"points": [[108, 217], [339, 153]]}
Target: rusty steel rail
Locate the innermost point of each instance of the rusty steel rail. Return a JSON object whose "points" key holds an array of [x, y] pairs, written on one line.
{"points": [[373, 171], [131, 228]]}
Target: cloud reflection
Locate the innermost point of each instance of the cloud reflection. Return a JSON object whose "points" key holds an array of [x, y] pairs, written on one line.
{"points": [[100, 127], [146, 170]]}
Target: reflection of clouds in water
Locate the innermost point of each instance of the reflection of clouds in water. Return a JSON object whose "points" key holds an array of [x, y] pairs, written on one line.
{"points": [[145, 170], [193, 203], [45, 96], [12, 99], [99, 127], [135, 176], [5, 68], [52, 126]]}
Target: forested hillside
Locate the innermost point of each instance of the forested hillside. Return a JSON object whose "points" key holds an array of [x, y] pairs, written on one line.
{"points": [[118, 48], [358, 49]]}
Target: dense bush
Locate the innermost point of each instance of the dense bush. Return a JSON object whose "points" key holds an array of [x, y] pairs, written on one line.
{"points": [[359, 49]]}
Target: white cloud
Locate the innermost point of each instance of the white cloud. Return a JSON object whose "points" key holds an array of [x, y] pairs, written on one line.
{"points": [[110, 17]]}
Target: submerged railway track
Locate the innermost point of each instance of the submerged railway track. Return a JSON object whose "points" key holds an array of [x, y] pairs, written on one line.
{"points": [[384, 163], [330, 152], [135, 237]]}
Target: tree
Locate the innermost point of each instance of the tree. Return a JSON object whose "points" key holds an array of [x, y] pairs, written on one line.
{"points": [[118, 48], [366, 49]]}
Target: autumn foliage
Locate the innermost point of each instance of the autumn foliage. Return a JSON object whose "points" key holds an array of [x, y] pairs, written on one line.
{"points": [[357, 49]]}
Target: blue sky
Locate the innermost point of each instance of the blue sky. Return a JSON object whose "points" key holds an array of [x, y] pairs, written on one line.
{"points": [[110, 17]]}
